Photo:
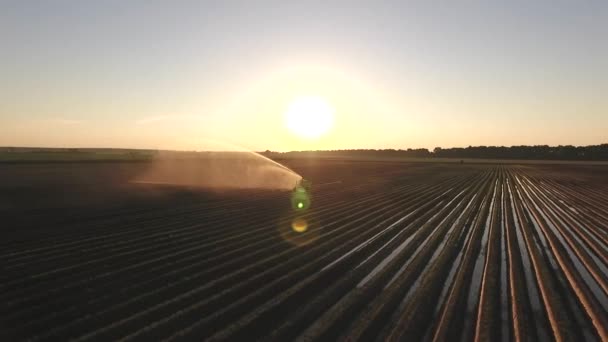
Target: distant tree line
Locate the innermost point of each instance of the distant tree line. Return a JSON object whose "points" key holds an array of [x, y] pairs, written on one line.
{"points": [[539, 152], [561, 152]]}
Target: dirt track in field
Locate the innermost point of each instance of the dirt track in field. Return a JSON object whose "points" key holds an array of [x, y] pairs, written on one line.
{"points": [[392, 251]]}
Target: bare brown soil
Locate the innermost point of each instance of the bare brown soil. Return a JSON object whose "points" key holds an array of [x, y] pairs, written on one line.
{"points": [[394, 251]]}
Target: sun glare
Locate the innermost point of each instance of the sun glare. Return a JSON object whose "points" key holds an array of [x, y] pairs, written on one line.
{"points": [[309, 117]]}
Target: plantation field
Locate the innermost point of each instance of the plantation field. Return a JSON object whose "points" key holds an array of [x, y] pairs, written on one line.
{"points": [[390, 251]]}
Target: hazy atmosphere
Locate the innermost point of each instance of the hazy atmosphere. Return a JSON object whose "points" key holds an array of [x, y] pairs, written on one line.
{"points": [[304, 170], [378, 74]]}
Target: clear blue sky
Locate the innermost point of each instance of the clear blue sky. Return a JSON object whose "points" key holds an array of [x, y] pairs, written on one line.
{"points": [[399, 74]]}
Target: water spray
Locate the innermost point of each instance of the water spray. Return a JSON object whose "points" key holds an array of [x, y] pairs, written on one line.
{"points": [[219, 166]]}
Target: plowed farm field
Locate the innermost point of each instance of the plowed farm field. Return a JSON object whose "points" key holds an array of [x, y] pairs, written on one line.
{"points": [[389, 251]]}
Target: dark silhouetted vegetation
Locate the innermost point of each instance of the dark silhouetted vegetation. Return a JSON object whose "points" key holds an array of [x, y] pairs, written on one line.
{"points": [[567, 152], [537, 152]]}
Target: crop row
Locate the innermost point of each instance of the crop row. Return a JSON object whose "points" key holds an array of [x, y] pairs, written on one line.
{"points": [[473, 253]]}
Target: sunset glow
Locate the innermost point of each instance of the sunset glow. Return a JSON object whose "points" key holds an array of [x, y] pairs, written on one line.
{"points": [[400, 75], [309, 117]]}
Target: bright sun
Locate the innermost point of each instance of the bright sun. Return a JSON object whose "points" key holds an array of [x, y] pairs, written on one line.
{"points": [[309, 116]]}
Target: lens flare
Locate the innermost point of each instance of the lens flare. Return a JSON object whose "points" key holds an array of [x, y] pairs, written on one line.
{"points": [[299, 230], [303, 228], [300, 199], [299, 225]]}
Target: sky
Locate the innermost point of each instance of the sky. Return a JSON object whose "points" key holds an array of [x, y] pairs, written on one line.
{"points": [[398, 74]]}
